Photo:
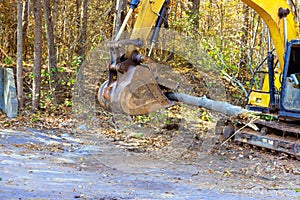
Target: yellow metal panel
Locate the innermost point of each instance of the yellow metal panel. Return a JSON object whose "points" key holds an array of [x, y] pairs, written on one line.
{"points": [[259, 99], [268, 10], [278, 80], [147, 15]]}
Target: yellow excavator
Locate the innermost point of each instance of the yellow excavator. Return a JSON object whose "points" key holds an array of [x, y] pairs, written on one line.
{"points": [[134, 88]]}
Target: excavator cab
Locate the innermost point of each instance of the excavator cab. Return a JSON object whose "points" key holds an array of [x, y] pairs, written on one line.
{"points": [[290, 93]]}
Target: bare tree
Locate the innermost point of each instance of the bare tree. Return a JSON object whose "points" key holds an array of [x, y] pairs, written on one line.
{"points": [[78, 16], [37, 12], [119, 7], [26, 8], [83, 28], [19, 53], [245, 32], [52, 56], [195, 10]]}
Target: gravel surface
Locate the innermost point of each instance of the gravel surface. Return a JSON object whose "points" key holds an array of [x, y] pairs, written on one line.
{"points": [[55, 165]]}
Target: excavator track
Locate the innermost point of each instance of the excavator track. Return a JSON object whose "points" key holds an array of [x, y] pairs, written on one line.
{"points": [[274, 135]]}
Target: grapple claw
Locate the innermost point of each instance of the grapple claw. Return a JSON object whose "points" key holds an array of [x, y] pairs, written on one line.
{"points": [[135, 92]]}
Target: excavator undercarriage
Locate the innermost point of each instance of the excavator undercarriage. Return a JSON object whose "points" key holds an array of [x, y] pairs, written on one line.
{"points": [[274, 135]]}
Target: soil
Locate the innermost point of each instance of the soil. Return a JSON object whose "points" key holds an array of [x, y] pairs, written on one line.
{"points": [[56, 164]]}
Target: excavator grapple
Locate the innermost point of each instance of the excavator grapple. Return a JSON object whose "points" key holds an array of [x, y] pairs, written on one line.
{"points": [[135, 92]]}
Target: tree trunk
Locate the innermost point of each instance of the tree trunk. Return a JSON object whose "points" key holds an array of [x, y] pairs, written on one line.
{"points": [[52, 57], [19, 54], [222, 20], [78, 15], [26, 7], [55, 24], [54, 13], [83, 29], [218, 106], [195, 9], [244, 40], [37, 12], [119, 15]]}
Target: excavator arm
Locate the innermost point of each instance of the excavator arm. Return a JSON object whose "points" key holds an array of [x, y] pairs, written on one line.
{"points": [[148, 12], [269, 11]]}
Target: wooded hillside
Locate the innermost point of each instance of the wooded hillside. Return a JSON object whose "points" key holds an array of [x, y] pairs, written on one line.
{"points": [[47, 40]]}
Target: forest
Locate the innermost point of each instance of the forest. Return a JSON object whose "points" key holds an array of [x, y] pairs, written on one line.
{"points": [[46, 42], [65, 144]]}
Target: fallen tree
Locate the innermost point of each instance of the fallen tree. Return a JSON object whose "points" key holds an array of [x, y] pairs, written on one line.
{"points": [[218, 106]]}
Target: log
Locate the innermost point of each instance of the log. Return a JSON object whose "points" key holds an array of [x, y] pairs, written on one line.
{"points": [[218, 106]]}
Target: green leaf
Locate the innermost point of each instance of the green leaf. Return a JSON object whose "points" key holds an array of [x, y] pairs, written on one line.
{"points": [[8, 61], [60, 69], [138, 135]]}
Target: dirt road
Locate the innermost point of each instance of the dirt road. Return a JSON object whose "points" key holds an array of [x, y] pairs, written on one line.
{"points": [[56, 165]]}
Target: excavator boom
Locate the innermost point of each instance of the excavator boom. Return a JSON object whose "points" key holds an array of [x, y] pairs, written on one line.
{"points": [[269, 11]]}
